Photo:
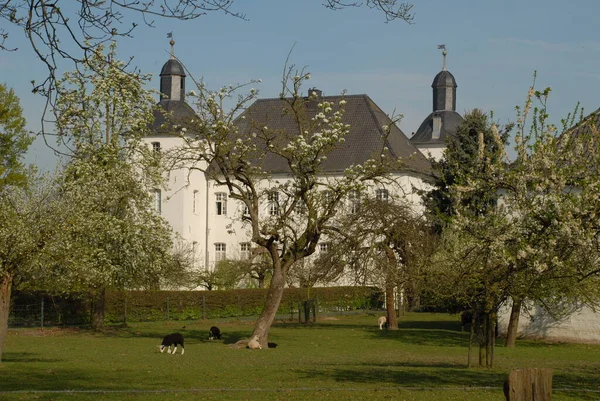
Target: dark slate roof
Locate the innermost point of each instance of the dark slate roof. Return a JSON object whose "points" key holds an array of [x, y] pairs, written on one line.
{"points": [[450, 122], [363, 142], [585, 131], [181, 112], [172, 67], [444, 78]]}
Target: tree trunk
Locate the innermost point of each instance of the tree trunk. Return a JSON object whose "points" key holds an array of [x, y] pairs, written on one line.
{"points": [[513, 324], [98, 305], [274, 295], [5, 289], [390, 306], [471, 339]]}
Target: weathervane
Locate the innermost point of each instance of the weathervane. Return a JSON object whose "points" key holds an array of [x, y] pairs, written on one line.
{"points": [[444, 52], [172, 43]]}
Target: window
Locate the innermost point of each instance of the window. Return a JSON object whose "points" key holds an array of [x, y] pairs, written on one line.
{"points": [[274, 203], [300, 207], [156, 196], [221, 203], [245, 250], [245, 210], [156, 147], [382, 195], [353, 201], [324, 247], [195, 201], [220, 251]]}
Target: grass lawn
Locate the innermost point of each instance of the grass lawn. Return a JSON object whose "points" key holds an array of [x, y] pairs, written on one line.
{"points": [[338, 358]]}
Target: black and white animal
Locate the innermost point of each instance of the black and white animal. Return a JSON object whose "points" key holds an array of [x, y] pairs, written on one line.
{"points": [[174, 339], [213, 333]]}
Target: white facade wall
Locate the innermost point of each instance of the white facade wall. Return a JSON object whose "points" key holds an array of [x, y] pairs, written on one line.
{"points": [[436, 152], [581, 325], [202, 228]]}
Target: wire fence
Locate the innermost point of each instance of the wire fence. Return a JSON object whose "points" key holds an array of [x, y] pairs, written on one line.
{"points": [[45, 311]]}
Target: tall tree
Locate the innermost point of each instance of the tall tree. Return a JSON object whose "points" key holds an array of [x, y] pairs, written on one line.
{"points": [[28, 221], [14, 141], [461, 162], [540, 241], [307, 203], [552, 192], [114, 237], [393, 239]]}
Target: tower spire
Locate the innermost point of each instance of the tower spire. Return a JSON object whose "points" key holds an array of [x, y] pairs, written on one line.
{"points": [[444, 53], [172, 43]]}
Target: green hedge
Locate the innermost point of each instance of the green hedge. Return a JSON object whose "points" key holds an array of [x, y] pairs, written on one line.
{"points": [[136, 306]]}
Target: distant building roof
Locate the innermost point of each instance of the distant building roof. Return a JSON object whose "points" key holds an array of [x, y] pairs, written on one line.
{"points": [[587, 131], [363, 142], [449, 122], [181, 113]]}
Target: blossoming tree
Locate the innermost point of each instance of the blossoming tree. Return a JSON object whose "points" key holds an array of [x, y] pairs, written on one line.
{"points": [[309, 202], [14, 141], [540, 241], [112, 236]]}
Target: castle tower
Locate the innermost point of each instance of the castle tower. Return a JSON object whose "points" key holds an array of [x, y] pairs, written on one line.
{"points": [[431, 136]]}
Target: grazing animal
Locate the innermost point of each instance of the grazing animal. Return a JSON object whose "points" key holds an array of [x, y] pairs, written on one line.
{"points": [[174, 340], [253, 343], [382, 321], [213, 333]]}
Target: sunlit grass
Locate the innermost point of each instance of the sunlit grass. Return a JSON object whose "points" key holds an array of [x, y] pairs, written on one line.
{"points": [[338, 358]]}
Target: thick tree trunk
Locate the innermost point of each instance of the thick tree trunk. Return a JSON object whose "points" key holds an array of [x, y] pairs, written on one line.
{"points": [[274, 295], [98, 306], [513, 324], [390, 306], [5, 289]]}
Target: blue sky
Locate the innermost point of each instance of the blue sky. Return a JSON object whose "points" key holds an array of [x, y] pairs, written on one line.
{"points": [[493, 49]]}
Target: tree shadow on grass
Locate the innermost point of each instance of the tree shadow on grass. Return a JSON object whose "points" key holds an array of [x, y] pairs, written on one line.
{"points": [[430, 337], [21, 357], [410, 375]]}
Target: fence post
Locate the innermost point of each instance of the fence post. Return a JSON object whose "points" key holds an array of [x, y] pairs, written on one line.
{"points": [[42, 314], [529, 384]]}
